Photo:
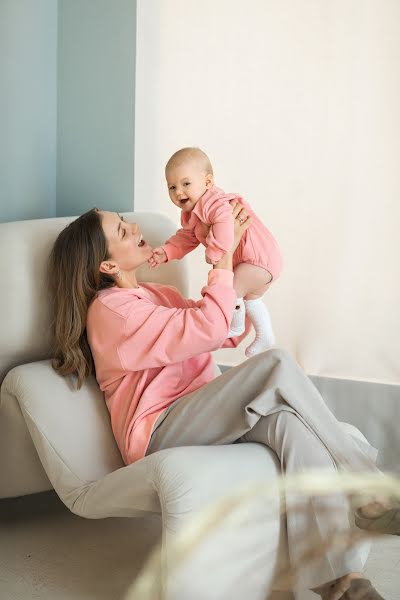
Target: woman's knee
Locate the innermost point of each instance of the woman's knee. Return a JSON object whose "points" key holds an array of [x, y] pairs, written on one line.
{"points": [[298, 444], [269, 359], [278, 354]]}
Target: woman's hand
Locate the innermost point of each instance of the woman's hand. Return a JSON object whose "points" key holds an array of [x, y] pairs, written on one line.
{"points": [[241, 222]]}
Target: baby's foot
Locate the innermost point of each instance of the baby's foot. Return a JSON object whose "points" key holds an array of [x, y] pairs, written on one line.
{"points": [[260, 344], [235, 332], [260, 317]]}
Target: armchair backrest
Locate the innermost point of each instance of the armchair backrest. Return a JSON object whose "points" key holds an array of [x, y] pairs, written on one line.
{"points": [[25, 316], [64, 425]]}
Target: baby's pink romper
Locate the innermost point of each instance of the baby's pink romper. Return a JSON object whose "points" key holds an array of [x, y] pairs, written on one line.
{"points": [[257, 246]]}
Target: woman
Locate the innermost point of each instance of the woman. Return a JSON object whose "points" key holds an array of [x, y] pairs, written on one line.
{"points": [[150, 348]]}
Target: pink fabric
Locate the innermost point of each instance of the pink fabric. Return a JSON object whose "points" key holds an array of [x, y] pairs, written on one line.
{"points": [[151, 346], [257, 246]]}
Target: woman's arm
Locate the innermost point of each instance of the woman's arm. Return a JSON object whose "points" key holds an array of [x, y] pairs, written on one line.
{"points": [[155, 336], [220, 234], [241, 222]]}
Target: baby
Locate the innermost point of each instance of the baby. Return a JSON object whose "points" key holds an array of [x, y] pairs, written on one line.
{"points": [[206, 218]]}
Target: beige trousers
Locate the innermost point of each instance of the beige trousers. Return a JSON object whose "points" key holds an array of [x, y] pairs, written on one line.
{"points": [[269, 399]]}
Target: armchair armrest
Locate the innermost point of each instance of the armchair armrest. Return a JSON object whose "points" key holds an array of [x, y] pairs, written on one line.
{"points": [[239, 556]]}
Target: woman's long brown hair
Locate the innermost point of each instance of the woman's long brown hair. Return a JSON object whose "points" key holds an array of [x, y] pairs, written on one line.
{"points": [[75, 279]]}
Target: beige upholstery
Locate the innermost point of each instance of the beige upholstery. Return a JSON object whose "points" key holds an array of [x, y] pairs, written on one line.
{"points": [[54, 436]]}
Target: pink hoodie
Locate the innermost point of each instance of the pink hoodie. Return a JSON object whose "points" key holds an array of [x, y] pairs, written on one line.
{"points": [[151, 346]]}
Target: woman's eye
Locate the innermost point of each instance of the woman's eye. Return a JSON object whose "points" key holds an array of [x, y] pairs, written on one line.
{"points": [[187, 183]]}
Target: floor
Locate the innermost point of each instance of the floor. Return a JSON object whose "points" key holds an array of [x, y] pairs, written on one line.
{"points": [[47, 553]]}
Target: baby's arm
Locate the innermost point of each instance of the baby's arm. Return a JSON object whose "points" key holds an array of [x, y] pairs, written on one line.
{"points": [[176, 247]]}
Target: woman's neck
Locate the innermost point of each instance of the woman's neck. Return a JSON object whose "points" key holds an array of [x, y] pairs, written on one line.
{"points": [[128, 280]]}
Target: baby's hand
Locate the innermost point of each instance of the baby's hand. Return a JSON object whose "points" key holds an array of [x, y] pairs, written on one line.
{"points": [[159, 256]]}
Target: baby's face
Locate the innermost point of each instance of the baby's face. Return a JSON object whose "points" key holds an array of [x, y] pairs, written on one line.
{"points": [[187, 183]]}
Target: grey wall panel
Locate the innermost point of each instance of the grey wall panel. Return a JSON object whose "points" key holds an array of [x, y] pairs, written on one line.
{"points": [[28, 89], [96, 105]]}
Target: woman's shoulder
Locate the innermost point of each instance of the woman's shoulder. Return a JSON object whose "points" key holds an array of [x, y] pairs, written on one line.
{"points": [[122, 301], [118, 301]]}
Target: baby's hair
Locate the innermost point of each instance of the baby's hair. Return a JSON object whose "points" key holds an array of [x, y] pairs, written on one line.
{"points": [[190, 154]]}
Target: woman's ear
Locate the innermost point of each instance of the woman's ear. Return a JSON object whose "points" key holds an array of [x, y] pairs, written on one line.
{"points": [[108, 268], [209, 181]]}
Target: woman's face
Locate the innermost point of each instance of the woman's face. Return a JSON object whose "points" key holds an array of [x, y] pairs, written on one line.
{"points": [[126, 246]]}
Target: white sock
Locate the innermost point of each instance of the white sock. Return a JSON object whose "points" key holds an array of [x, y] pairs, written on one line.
{"points": [[260, 317], [238, 318]]}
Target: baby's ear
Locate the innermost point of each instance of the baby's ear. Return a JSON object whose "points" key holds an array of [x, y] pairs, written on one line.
{"points": [[209, 181]]}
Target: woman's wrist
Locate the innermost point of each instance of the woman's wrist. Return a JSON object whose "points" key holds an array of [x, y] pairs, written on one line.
{"points": [[225, 262]]}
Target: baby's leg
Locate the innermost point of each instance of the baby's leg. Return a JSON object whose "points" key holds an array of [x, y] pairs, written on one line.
{"points": [[251, 282], [246, 277]]}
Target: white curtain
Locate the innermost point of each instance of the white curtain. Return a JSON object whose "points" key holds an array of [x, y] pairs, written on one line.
{"points": [[297, 105]]}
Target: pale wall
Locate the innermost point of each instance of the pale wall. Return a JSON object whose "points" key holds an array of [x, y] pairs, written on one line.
{"points": [[296, 104]]}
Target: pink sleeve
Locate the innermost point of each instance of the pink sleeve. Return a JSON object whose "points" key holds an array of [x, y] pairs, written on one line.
{"points": [[156, 336], [180, 244], [221, 235]]}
